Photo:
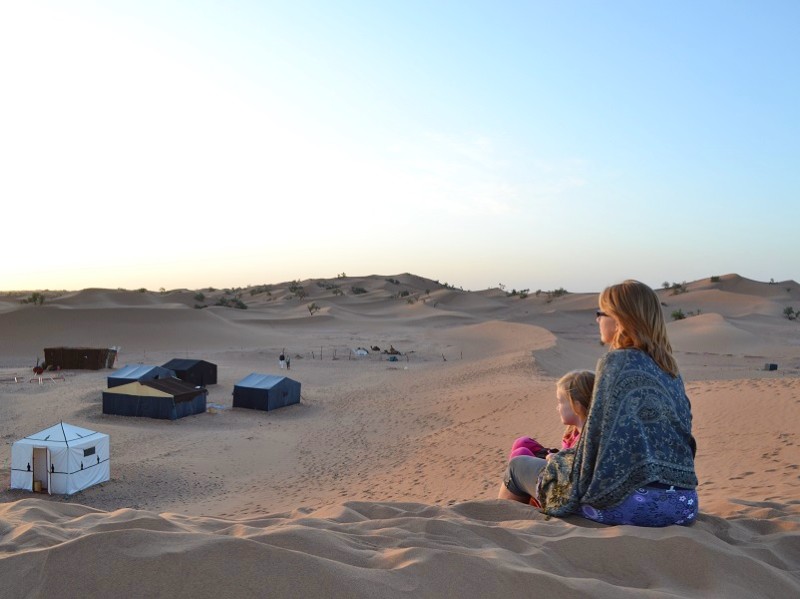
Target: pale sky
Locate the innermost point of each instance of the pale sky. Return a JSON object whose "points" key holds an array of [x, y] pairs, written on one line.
{"points": [[538, 144]]}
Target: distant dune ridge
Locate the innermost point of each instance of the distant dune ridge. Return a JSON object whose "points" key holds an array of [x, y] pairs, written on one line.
{"points": [[381, 482]]}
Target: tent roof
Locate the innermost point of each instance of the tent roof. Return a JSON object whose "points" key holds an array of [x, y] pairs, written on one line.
{"points": [[154, 388], [171, 386], [183, 363], [261, 381], [61, 433], [134, 371]]}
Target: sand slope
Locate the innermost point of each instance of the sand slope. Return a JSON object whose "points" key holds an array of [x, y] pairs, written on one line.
{"points": [[378, 549], [381, 482]]}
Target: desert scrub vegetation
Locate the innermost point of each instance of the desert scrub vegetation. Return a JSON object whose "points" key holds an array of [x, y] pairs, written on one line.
{"points": [[715, 279], [393, 281], [357, 290], [790, 313], [676, 288], [233, 302], [332, 287], [550, 295], [199, 296], [35, 298], [680, 314], [261, 289], [312, 308], [296, 290]]}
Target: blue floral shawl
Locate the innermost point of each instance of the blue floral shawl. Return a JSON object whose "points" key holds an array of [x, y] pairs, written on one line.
{"points": [[639, 431]]}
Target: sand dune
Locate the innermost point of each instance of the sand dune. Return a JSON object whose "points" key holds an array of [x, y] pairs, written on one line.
{"points": [[377, 549], [381, 482]]}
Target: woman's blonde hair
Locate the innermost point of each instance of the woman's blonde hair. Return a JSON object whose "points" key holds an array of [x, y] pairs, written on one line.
{"points": [[640, 322], [578, 386]]}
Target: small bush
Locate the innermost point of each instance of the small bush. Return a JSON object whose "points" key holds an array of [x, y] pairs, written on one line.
{"points": [[789, 312], [715, 279], [678, 288], [200, 306], [312, 308], [260, 289], [357, 290], [142, 290], [36, 298], [199, 297], [678, 315]]}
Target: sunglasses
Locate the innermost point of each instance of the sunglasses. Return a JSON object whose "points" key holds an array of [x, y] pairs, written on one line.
{"points": [[600, 313]]}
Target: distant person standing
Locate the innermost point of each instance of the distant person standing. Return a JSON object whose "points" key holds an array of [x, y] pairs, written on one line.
{"points": [[288, 363], [282, 359]]}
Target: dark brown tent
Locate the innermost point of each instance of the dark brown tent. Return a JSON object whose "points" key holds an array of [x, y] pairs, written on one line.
{"points": [[80, 358]]}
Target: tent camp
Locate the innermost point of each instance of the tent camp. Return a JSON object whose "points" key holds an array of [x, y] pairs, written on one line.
{"points": [[138, 372], [196, 372], [265, 392], [167, 399], [61, 459]]}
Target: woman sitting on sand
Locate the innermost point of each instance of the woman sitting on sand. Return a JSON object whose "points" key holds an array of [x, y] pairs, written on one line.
{"points": [[634, 462]]}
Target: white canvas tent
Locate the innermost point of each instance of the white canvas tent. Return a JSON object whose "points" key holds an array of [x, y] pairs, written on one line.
{"points": [[64, 459]]}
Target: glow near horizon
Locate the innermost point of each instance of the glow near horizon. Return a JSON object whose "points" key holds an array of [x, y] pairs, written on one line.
{"points": [[180, 144]]}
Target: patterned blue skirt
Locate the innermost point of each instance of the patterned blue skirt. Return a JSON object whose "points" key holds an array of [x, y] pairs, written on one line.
{"points": [[649, 506]]}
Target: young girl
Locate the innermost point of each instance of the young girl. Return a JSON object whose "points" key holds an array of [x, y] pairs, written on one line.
{"points": [[528, 456]]}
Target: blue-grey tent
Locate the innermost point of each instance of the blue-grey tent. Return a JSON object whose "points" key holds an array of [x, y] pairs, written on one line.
{"points": [[196, 372], [265, 392], [138, 372], [168, 399]]}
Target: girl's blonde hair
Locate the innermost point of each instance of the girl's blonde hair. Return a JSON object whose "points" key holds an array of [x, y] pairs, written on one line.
{"points": [[640, 322], [578, 386]]}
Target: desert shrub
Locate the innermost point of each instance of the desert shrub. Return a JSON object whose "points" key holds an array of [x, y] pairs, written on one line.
{"points": [[678, 288], [678, 314], [142, 290], [200, 306], [337, 291], [297, 290], [393, 281], [260, 289], [35, 298], [312, 307], [199, 296], [357, 290], [789, 312], [405, 293], [231, 303], [551, 295], [715, 279]]}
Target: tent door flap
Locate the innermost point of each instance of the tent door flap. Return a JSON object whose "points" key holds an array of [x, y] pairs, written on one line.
{"points": [[41, 468]]}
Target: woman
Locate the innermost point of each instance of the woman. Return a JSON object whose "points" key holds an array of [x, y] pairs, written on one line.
{"points": [[634, 462]]}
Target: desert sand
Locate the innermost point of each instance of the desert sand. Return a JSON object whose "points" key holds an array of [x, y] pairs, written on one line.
{"points": [[382, 481]]}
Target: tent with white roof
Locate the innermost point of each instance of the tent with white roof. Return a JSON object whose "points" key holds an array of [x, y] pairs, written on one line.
{"points": [[62, 459]]}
